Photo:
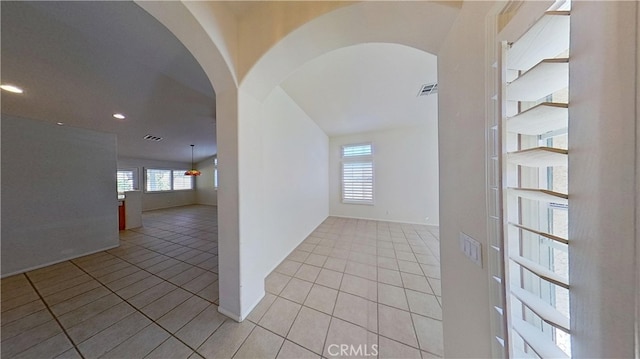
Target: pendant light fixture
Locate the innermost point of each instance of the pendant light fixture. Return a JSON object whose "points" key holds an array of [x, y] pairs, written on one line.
{"points": [[192, 171]]}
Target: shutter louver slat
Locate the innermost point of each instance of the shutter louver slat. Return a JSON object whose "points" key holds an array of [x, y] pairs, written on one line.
{"points": [[543, 234], [537, 194], [541, 41], [545, 78], [536, 340], [541, 271], [539, 157], [543, 118], [545, 311]]}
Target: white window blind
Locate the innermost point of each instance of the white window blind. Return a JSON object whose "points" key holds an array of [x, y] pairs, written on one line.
{"points": [[357, 182], [125, 180], [532, 164], [357, 150], [182, 182], [162, 180], [357, 174], [158, 180]]}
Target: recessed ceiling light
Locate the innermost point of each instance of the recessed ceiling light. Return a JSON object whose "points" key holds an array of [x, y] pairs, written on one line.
{"points": [[11, 88], [119, 116]]}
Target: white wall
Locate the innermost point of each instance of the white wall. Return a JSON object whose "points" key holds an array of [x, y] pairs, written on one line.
{"points": [[461, 126], [151, 201], [206, 193], [283, 186], [637, 230], [58, 193], [405, 170], [295, 165], [602, 178]]}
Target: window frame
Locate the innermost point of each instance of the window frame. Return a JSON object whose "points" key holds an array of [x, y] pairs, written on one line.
{"points": [[353, 159], [172, 171], [529, 313], [135, 178]]}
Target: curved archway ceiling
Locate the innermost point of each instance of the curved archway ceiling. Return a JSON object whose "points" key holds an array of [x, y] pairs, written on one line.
{"points": [[80, 62], [365, 87], [420, 24]]}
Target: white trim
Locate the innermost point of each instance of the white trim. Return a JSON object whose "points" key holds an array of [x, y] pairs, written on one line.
{"points": [[241, 317], [229, 314], [384, 220], [4, 275]]}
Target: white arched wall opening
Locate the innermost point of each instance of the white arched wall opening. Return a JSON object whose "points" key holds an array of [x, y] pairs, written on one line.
{"points": [[250, 246], [203, 28], [419, 25]]}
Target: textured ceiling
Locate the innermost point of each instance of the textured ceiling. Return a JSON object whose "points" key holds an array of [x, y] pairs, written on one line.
{"points": [[80, 62]]}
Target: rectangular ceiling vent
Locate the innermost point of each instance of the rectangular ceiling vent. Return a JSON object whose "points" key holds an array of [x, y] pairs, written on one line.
{"points": [[429, 89], [152, 138]]}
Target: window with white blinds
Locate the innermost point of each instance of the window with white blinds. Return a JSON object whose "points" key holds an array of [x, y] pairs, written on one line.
{"points": [[125, 180], [162, 180], [357, 174], [534, 160], [357, 150], [182, 182]]}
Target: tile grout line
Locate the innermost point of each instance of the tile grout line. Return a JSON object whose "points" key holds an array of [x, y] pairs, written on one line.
{"points": [[79, 294], [378, 303], [164, 280], [301, 306], [330, 234], [245, 340], [361, 277], [168, 256], [154, 274], [64, 330], [413, 323], [164, 254], [335, 304], [146, 316]]}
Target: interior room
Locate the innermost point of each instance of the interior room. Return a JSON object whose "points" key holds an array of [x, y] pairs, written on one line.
{"points": [[319, 179]]}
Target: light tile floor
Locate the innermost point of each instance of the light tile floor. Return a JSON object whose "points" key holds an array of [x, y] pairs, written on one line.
{"points": [[372, 285]]}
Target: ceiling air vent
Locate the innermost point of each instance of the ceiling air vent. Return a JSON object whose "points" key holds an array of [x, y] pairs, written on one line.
{"points": [[429, 89], [152, 138]]}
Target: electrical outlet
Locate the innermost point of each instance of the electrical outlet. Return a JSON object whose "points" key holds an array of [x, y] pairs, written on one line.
{"points": [[471, 248]]}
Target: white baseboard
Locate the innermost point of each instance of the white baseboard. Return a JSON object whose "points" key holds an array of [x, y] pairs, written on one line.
{"points": [[4, 275], [385, 220], [229, 314], [242, 316]]}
